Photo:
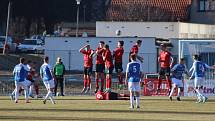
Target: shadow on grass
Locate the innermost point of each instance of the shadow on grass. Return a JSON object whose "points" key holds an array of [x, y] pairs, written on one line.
{"points": [[108, 111], [72, 118]]}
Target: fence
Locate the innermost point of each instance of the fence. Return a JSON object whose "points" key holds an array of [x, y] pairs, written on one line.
{"points": [[73, 85]]}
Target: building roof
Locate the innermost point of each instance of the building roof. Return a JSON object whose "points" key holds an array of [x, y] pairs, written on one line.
{"points": [[148, 10]]}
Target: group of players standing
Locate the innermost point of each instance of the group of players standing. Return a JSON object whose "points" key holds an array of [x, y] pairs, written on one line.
{"points": [[105, 64], [105, 67]]}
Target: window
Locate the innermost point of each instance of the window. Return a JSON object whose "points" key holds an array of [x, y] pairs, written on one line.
{"points": [[206, 5]]}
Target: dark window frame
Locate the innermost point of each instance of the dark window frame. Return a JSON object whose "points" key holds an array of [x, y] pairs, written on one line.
{"points": [[204, 6]]}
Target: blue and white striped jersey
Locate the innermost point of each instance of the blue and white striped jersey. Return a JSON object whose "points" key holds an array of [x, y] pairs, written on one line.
{"points": [[46, 72], [134, 70], [199, 69], [20, 72], [178, 70]]}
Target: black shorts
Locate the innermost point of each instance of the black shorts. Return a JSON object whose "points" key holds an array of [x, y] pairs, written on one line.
{"points": [[100, 68], [109, 70], [118, 67], [88, 70], [164, 71]]}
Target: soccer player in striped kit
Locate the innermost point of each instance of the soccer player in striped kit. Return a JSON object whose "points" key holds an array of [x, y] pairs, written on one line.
{"points": [[133, 77], [48, 80], [117, 56], [177, 78], [20, 73], [198, 73]]}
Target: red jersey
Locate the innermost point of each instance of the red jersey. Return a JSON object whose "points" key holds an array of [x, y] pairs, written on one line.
{"points": [[99, 59], [165, 58], [118, 53], [108, 58], [134, 49], [88, 60]]}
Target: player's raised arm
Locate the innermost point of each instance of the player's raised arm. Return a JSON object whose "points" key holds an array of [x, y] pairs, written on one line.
{"points": [[81, 50]]}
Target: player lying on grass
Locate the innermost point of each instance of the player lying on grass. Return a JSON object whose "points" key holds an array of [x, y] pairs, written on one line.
{"points": [[198, 73], [178, 72], [133, 77]]}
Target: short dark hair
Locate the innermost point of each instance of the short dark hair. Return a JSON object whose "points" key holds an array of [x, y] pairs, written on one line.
{"points": [[107, 46], [163, 45], [102, 42], [22, 60], [46, 58], [133, 56], [139, 41], [182, 59], [121, 43], [196, 57]]}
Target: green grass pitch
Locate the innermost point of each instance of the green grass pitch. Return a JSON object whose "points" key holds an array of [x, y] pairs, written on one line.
{"points": [[86, 108]]}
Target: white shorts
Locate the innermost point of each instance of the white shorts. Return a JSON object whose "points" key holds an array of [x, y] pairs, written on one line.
{"points": [[198, 82], [24, 84], [49, 84], [134, 86], [177, 82]]}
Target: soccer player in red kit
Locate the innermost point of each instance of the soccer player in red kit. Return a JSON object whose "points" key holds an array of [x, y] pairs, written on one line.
{"points": [[117, 56], [165, 61], [100, 66], [88, 66], [135, 49], [108, 67]]}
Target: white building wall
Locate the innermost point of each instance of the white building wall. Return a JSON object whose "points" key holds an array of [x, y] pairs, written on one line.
{"points": [[140, 29], [155, 29], [67, 48]]}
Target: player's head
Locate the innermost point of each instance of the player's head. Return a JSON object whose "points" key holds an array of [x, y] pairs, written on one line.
{"points": [[182, 61], [22, 60], [139, 42], [106, 47], [133, 57], [163, 46], [46, 59], [88, 46], [120, 43], [101, 44], [59, 60], [196, 57]]}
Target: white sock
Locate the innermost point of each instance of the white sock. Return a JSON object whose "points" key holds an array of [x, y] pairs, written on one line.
{"points": [[179, 92], [172, 91], [26, 94], [51, 98], [48, 95], [16, 94], [198, 93], [138, 101], [13, 93], [31, 89], [131, 101]]}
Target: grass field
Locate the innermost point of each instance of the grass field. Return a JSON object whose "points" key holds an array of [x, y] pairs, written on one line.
{"points": [[88, 109]]}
